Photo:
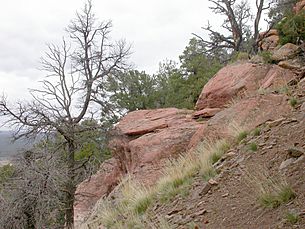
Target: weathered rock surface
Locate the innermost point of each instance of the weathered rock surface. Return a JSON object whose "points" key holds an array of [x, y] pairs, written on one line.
{"points": [[269, 41], [239, 80], [99, 185], [143, 140], [287, 51], [292, 64], [247, 113], [299, 6], [155, 134], [206, 113]]}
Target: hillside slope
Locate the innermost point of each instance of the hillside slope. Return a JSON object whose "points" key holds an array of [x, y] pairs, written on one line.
{"points": [[243, 167]]}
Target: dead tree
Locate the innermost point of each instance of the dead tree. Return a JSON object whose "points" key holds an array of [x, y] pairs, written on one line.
{"points": [[236, 17], [259, 10], [76, 70], [238, 32]]}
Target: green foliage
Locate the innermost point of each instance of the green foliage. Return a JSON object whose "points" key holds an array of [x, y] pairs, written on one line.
{"points": [[142, 204], [253, 146], [280, 9], [293, 101], [275, 199], [197, 68], [242, 135], [171, 189], [239, 56], [266, 55], [132, 90], [256, 132], [172, 86], [292, 28], [209, 173], [92, 143], [6, 172], [220, 148], [181, 86], [292, 217]]}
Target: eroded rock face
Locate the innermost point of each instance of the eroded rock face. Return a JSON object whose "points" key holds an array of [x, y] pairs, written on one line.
{"points": [[286, 52], [91, 190], [154, 134], [269, 41], [299, 6], [248, 113], [142, 142], [206, 113], [239, 80]]}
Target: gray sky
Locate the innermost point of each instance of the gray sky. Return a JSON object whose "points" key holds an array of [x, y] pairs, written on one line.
{"points": [[157, 30]]}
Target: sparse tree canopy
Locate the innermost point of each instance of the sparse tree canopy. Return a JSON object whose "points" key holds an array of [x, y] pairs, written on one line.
{"points": [[238, 33], [76, 71]]}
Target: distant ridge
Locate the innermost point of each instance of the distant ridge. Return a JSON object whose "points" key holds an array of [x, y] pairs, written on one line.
{"points": [[8, 148]]}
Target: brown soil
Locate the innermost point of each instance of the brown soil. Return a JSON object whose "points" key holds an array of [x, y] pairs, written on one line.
{"points": [[233, 203]]}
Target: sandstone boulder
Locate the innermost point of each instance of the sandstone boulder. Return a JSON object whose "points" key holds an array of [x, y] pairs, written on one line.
{"points": [[269, 40], [142, 142], [206, 113], [292, 64], [287, 51], [91, 190], [299, 6], [247, 113], [238, 80], [154, 134]]}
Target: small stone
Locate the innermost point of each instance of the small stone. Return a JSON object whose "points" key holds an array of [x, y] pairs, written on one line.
{"points": [[231, 154], [201, 212], [275, 122], [201, 202], [295, 152], [299, 159], [213, 182], [286, 163], [303, 107], [205, 189], [225, 195]]}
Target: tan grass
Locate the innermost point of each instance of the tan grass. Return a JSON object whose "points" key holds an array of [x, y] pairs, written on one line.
{"points": [[135, 199], [271, 191]]}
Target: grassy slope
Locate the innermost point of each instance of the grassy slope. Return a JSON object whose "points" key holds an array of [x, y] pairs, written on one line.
{"points": [[248, 190]]}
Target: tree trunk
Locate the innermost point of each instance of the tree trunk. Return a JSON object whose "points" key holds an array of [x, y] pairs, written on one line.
{"points": [[260, 8], [70, 186]]}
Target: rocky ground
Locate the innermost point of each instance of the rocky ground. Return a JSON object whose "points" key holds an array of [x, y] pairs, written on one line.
{"points": [[267, 101], [230, 200]]}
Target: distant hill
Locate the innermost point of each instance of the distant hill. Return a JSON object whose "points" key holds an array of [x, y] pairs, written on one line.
{"points": [[9, 149]]}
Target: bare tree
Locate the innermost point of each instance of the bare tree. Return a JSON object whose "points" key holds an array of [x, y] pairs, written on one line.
{"points": [[236, 17], [236, 24], [75, 72], [260, 7], [31, 196]]}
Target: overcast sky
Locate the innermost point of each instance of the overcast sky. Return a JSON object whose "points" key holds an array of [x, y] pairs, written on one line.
{"points": [[157, 30]]}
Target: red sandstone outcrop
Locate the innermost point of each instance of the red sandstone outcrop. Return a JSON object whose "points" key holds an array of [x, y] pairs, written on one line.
{"points": [[238, 80], [247, 113], [99, 185], [269, 40], [206, 113], [299, 6], [287, 51], [144, 140], [155, 134]]}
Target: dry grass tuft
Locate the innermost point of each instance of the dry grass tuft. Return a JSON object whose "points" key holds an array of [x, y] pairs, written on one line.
{"points": [[134, 199], [271, 191]]}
